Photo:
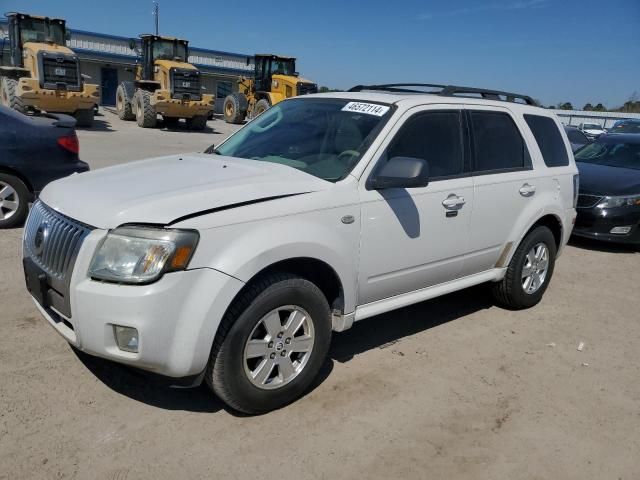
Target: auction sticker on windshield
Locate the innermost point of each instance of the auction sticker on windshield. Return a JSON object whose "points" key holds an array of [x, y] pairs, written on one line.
{"points": [[368, 108]]}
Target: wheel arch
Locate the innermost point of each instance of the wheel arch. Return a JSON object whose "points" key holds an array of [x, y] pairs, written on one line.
{"points": [[10, 171]]}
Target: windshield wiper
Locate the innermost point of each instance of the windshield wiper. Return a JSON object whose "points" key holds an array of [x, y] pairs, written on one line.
{"points": [[212, 150]]}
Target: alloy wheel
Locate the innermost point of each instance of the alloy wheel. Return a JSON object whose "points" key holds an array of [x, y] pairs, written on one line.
{"points": [[9, 201], [536, 266]]}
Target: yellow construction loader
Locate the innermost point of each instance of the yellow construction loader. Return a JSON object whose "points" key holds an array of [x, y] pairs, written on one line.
{"points": [[44, 74], [275, 79], [166, 84]]}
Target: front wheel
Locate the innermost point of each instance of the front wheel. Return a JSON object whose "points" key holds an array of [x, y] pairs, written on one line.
{"points": [[529, 272], [14, 201], [270, 345]]}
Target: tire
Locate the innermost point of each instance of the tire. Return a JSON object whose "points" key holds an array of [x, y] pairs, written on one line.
{"points": [[84, 118], [14, 201], [8, 97], [261, 107], [510, 291], [228, 372], [145, 113], [123, 104], [171, 122], [235, 108], [199, 122]]}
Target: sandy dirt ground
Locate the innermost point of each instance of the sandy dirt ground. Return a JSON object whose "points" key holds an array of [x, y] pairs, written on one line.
{"points": [[450, 388]]}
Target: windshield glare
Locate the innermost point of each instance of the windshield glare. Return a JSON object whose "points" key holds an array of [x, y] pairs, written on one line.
{"points": [[625, 155], [36, 30], [313, 135]]}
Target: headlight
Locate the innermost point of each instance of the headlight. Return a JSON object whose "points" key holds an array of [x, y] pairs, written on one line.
{"points": [[613, 202], [142, 254]]}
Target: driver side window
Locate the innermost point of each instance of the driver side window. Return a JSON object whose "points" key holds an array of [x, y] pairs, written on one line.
{"points": [[435, 136]]}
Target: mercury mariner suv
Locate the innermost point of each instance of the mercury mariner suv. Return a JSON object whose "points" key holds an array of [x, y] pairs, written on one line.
{"points": [[233, 266]]}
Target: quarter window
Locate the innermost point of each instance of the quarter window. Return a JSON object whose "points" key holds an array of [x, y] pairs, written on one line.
{"points": [[435, 137], [498, 143], [549, 140]]}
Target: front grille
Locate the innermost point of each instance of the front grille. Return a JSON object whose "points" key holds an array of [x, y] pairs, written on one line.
{"points": [[59, 71], [588, 201], [52, 241], [307, 88], [185, 84]]}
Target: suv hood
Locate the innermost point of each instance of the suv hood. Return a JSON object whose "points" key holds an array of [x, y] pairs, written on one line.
{"points": [[162, 190]]}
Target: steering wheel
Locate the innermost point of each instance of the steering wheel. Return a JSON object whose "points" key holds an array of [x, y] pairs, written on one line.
{"points": [[348, 156]]}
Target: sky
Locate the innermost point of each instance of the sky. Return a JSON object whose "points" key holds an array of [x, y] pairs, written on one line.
{"points": [[553, 50]]}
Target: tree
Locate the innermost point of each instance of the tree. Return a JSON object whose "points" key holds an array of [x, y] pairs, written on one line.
{"points": [[565, 106], [327, 89], [599, 108], [588, 107]]}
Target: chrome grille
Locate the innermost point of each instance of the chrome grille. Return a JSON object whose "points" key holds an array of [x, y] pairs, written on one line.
{"points": [[588, 201], [52, 241]]}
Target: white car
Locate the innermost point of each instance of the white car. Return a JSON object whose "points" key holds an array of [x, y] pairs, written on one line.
{"points": [[234, 266], [592, 130]]}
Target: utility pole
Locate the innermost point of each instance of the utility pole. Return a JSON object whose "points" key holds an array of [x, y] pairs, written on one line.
{"points": [[156, 14]]}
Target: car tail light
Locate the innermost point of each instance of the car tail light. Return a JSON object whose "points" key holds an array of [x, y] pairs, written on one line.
{"points": [[70, 143], [576, 187]]}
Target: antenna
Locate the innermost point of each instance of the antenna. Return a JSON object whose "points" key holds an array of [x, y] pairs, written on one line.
{"points": [[156, 14]]}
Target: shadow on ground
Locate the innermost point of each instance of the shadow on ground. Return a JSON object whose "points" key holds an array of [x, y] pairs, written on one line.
{"points": [[600, 246], [377, 332], [99, 125]]}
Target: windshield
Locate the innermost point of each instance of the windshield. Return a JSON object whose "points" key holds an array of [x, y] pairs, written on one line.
{"points": [[323, 137], [39, 30], [591, 126], [283, 67], [169, 50], [625, 155]]}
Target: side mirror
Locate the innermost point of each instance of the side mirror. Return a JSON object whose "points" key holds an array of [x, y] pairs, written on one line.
{"points": [[401, 172]]}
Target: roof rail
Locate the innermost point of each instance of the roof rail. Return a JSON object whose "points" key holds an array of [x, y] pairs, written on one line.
{"points": [[448, 91]]}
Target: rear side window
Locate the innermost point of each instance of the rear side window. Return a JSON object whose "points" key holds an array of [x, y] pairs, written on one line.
{"points": [[435, 137], [549, 140], [498, 143]]}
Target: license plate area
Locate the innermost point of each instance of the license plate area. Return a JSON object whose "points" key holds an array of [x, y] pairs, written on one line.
{"points": [[61, 72], [36, 280]]}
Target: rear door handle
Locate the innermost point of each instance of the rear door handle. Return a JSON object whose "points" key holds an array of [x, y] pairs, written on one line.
{"points": [[527, 190], [453, 202]]}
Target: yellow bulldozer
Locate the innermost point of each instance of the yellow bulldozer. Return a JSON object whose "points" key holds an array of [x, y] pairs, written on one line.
{"points": [[166, 84], [44, 74], [275, 78]]}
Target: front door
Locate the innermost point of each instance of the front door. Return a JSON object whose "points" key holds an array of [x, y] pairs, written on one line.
{"points": [[415, 238], [108, 85]]}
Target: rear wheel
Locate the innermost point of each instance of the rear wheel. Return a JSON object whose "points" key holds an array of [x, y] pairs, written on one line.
{"points": [[199, 122], [235, 108], [271, 344], [84, 118], [171, 122], [8, 94], [123, 104], [14, 201], [145, 113], [529, 271], [261, 107]]}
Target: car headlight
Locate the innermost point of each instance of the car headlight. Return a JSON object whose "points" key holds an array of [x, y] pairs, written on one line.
{"points": [[613, 202], [139, 255]]}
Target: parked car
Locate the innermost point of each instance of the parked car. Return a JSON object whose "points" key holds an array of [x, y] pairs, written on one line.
{"points": [[592, 130], [576, 137], [235, 266], [33, 152], [626, 126], [609, 200]]}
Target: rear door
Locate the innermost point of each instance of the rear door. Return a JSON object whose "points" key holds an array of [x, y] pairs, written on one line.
{"points": [[504, 183]]}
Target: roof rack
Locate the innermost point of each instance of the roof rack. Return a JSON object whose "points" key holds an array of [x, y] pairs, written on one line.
{"points": [[449, 91]]}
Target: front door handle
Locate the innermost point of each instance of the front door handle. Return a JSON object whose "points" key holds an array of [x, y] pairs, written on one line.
{"points": [[527, 190], [453, 202]]}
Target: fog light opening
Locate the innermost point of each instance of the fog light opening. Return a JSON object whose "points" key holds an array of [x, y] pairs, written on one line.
{"points": [[621, 230], [126, 338]]}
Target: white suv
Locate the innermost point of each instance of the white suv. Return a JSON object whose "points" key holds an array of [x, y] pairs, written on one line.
{"points": [[235, 265]]}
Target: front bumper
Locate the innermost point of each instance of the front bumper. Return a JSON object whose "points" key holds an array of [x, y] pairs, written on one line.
{"points": [[63, 101], [176, 317], [596, 223], [171, 107]]}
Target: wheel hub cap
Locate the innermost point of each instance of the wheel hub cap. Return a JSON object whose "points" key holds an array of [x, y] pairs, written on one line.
{"points": [[279, 347], [536, 266], [9, 201]]}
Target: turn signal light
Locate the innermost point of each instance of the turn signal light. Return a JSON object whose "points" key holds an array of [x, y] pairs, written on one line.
{"points": [[70, 143]]}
